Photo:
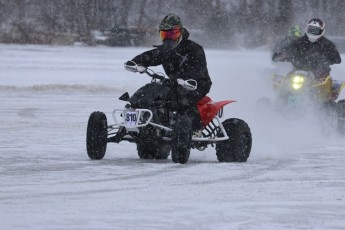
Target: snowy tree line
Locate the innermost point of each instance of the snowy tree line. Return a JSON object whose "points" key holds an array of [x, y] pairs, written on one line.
{"points": [[213, 22]]}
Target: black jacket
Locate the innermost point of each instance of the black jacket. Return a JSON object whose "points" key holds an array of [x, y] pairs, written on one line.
{"points": [[186, 61], [312, 56]]}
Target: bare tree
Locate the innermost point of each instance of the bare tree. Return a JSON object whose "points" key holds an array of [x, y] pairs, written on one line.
{"points": [[284, 18], [212, 22]]}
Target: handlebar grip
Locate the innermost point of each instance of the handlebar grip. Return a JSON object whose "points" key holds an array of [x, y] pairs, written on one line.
{"points": [[189, 84], [134, 67]]}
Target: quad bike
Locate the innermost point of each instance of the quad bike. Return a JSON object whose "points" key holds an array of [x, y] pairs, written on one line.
{"points": [[299, 91], [149, 121]]}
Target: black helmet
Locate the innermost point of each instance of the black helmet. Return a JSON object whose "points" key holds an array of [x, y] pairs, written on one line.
{"points": [[170, 31], [315, 29], [170, 22]]}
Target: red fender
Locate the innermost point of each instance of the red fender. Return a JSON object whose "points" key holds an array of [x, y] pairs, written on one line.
{"points": [[209, 109]]}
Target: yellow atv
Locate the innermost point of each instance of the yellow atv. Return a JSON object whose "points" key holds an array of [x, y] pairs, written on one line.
{"points": [[300, 88], [299, 91]]}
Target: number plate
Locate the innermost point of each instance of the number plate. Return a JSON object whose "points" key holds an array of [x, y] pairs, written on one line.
{"points": [[293, 101], [131, 117]]}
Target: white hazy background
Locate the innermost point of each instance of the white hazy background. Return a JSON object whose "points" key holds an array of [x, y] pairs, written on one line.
{"points": [[294, 177]]}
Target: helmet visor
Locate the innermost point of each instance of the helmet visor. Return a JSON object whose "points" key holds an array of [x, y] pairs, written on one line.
{"points": [[170, 34], [315, 30]]}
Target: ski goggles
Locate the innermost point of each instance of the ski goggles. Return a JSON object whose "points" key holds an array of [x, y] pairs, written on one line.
{"points": [[315, 30], [170, 34]]}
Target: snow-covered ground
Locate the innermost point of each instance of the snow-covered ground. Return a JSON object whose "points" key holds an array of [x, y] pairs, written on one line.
{"points": [[294, 177]]}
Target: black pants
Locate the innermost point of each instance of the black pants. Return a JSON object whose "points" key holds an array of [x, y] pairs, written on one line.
{"points": [[192, 112], [187, 103]]}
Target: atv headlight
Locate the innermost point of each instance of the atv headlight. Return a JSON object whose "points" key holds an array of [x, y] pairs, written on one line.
{"points": [[297, 82]]}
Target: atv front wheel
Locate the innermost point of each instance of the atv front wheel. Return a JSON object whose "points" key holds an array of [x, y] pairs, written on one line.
{"points": [[153, 151], [237, 147], [96, 137], [181, 141]]}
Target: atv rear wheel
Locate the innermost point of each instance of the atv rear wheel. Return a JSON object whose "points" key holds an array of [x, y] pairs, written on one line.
{"points": [[181, 141], [341, 116], [237, 147], [96, 137], [153, 151], [329, 118]]}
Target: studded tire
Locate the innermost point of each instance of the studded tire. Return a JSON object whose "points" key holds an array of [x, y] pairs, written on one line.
{"points": [[96, 137], [341, 116], [181, 141], [237, 148]]}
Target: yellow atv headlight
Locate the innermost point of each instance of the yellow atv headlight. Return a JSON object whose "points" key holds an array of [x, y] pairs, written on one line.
{"points": [[297, 82]]}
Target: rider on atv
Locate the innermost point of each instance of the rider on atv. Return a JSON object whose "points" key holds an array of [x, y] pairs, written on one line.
{"points": [[182, 59], [161, 116], [311, 52]]}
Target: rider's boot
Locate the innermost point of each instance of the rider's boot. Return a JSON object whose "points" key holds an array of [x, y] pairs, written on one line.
{"points": [[197, 133]]}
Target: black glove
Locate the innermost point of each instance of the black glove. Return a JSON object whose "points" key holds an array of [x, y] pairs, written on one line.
{"points": [[280, 57]]}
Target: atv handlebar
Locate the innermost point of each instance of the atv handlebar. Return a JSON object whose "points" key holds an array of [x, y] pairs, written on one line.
{"points": [[134, 67], [189, 84], [153, 74]]}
